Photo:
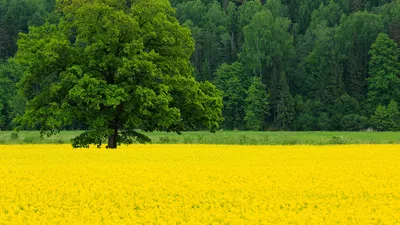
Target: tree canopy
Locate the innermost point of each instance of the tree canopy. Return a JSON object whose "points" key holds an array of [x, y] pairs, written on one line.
{"points": [[116, 67]]}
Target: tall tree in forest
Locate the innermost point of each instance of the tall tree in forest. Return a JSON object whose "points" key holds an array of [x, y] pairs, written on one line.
{"points": [[284, 113], [384, 69], [293, 8], [233, 32], [116, 69], [257, 105], [191, 15], [267, 45], [193, 11], [213, 45], [354, 37], [215, 37], [306, 9], [323, 72], [326, 14], [266, 51], [318, 74], [277, 8], [232, 81], [245, 15]]}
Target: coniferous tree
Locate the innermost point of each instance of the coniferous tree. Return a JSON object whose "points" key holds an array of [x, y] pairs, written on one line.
{"points": [[257, 105], [284, 105]]}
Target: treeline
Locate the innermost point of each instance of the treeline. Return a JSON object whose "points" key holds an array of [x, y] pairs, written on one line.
{"points": [[282, 65], [15, 17], [299, 64]]}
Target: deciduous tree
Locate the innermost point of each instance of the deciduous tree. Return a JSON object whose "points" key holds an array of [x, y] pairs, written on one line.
{"points": [[116, 66]]}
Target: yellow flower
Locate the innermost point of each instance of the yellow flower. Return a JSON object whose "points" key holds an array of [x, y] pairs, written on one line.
{"points": [[200, 184]]}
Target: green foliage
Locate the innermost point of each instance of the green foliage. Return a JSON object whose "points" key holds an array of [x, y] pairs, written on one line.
{"points": [[326, 14], [284, 105], [267, 44], [233, 137], [305, 11], [9, 102], [346, 108], [14, 136], [277, 8], [346, 104], [324, 122], [232, 81], [353, 122], [191, 10], [15, 17], [337, 140], [115, 71], [31, 139], [5, 93], [308, 112], [384, 69], [211, 31], [85, 56], [267, 49], [354, 36], [305, 122], [322, 75], [257, 105], [390, 14], [386, 118]]}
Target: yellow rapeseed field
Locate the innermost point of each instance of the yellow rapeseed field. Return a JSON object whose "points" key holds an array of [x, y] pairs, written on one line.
{"points": [[200, 184]]}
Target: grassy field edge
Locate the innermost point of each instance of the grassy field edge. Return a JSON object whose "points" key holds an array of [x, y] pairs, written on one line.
{"points": [[223, 137]]}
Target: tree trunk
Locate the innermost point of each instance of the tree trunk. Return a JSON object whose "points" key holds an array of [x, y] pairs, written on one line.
{"points": [[112, 139]]}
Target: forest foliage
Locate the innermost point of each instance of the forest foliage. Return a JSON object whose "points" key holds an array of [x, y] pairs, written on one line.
{"points": [[281, 65]]}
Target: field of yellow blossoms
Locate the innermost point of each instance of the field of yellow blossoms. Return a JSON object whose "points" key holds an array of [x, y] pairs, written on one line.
{"points": [[200, 184]]}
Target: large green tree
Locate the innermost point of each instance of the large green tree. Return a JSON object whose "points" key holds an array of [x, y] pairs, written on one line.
{"points": [[384, 69], [116, 66]]}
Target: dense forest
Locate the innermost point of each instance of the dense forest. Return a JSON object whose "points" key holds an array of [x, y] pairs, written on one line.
{"points": [[281, 65]]}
